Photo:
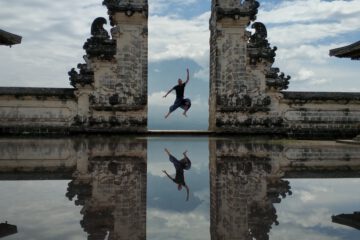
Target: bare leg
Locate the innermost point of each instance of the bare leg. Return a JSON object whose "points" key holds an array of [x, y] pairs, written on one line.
{"points": [[186, 109], [167, 115]]}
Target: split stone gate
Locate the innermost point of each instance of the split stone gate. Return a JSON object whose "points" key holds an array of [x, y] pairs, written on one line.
{"points": [[109, 91]]}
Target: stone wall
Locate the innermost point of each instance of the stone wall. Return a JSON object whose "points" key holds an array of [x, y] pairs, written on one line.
{"points": [[109, 90], [246, 92], [36, 109]]}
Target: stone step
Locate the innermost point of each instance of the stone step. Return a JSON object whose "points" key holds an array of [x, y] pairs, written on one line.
{"points": [[180, 132]]}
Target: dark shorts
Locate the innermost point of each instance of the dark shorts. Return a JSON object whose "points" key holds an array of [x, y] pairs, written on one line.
{"points": [[181, 103]]}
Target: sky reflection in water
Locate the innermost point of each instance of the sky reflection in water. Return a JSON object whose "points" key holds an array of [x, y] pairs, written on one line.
{"points": [[42, 210]]}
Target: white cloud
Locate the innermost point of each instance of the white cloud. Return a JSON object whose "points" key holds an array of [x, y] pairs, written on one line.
{"points": [[157, 99], [318, 54], [194, 225], [202, 74], [175, 38], [310, 11], [305, 31], [305, 74], [301, 33], [53, 36]]}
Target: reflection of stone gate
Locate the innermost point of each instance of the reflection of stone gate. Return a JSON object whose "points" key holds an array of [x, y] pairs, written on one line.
{"points": [[246, 180], [108, 178], [246, 91]]}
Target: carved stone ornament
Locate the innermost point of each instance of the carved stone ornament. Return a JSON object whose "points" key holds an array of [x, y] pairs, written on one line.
{"points": [[128, 7], [250, 122], [245, 103], [85, 77], [100, 45], [248, 8], [277, 80], [259, 48]]}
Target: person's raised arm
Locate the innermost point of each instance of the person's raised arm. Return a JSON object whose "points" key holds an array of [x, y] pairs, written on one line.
{"points": [[187, 76], [168, 93]]}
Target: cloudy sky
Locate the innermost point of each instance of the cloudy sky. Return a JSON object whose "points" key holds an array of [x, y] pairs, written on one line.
{"points": [[303, 30]]}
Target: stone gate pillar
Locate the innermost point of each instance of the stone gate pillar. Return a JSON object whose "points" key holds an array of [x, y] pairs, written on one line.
{"points": [[242, 83], [112, 85], [244, 186]]}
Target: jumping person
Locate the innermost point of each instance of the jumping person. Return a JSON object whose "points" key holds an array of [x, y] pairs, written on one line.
{"points": [[180, 101], [180, 166]]}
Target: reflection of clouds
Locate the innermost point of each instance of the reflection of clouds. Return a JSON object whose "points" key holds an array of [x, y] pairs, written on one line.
{"points": [[305, 196], [307, 214], [308, 218], [40, 210], [330, 191], [203, 194], [167, 225], [290, 232]]}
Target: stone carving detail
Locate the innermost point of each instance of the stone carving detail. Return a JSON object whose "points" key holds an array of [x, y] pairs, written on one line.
{"points": [[244, 103], [129, 7], [242, 77], [231, 122], [117, 121], [259, 48], [112, 192], [277, 80], [84, 77], [236, 9], [237, 92], [100, 45], [112, 100]]}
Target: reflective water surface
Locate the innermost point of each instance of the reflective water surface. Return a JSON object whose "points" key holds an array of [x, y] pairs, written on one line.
{"points": [[178, 188]]}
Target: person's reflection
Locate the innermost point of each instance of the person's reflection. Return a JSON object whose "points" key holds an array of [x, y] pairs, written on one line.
{"points": [[180, 166]]}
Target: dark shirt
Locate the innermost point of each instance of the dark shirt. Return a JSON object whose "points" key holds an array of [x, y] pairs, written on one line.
{"points": [[179, 177], [180, 90]]}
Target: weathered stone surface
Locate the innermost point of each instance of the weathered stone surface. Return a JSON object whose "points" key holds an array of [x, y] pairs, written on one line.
{"points": [[127, 8], [247, 180], [321, 96], [100, 45], [36, 109], [110, 88], [83, 78], [246, 91], [235, 9], [114, 179], [62, 93]]}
